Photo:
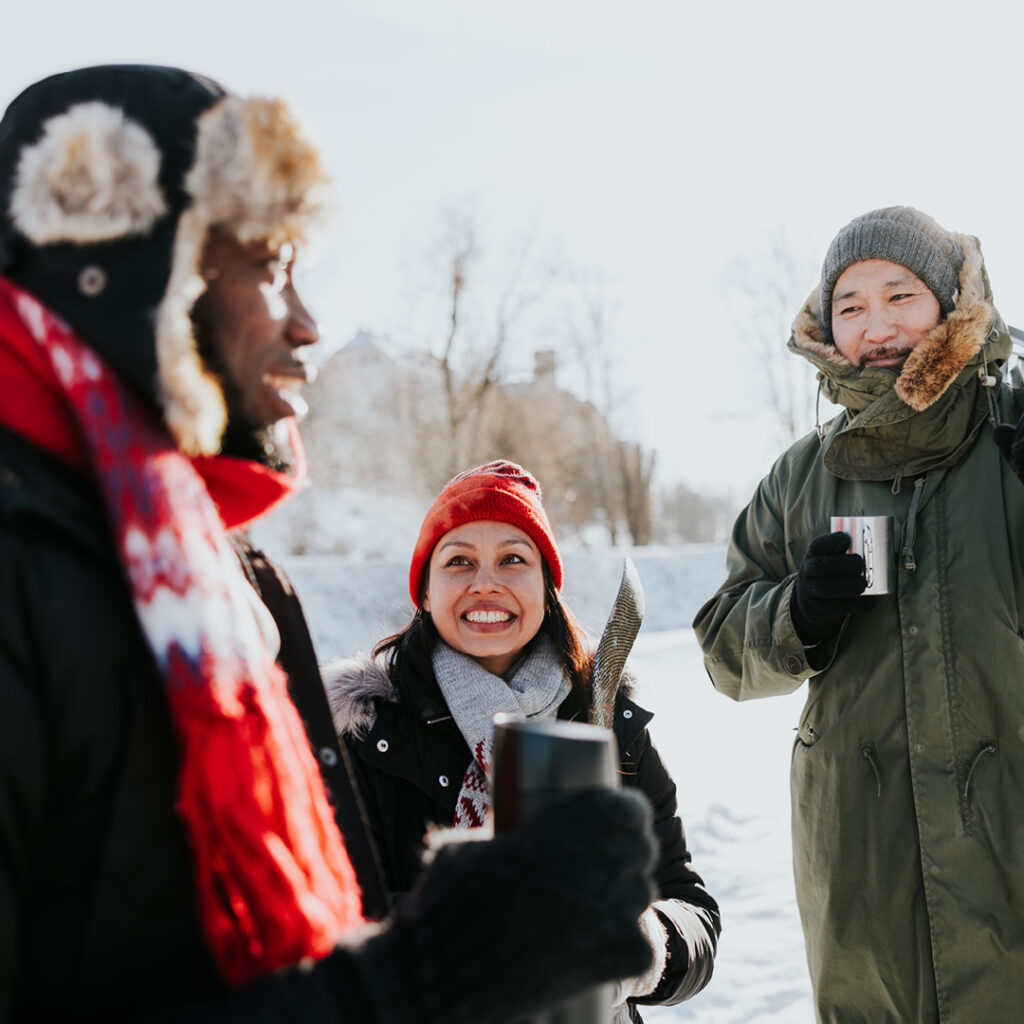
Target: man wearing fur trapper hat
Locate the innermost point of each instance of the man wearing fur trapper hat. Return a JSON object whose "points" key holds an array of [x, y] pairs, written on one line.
{"points": [[908, 769], [169, 831]]}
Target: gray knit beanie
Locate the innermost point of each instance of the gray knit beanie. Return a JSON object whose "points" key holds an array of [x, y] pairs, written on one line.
{"points": [[901, 235]]}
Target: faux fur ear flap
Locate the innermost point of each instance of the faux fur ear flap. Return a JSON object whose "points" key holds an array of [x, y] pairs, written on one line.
{"points": [[256, 175], [192, 399], [91, 177]]}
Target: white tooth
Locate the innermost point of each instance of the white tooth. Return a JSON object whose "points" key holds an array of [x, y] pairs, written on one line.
{"points": [[288, 389], [299, 406], [483, 616]]}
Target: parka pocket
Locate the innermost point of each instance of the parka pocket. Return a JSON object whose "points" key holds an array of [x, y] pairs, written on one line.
{"points": [[810, 727]]}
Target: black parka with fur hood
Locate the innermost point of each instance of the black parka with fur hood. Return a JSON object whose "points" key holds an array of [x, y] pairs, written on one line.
{"points": [[410, 762]]}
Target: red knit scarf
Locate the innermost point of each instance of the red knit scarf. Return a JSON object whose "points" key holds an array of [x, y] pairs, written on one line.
{"points": [[274, 881]]}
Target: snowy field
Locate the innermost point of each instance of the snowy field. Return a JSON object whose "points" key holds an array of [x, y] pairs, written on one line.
{"points": [[730, 761]]}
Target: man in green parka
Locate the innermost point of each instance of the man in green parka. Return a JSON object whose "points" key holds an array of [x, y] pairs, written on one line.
{"points": [[908, 765]]}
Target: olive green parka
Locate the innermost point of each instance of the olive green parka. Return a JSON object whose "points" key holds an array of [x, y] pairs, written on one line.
{"points": [[908, 763]]}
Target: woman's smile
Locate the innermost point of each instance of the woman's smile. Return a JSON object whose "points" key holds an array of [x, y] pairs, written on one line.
{"points": [[485, 592]]}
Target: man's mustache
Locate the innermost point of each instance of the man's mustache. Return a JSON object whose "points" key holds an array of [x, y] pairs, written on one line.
{"points": [[886, 352]]}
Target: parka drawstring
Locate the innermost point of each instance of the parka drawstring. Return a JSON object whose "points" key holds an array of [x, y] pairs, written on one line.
{"points": [[988, 382], [985, 750], [910, 530], [817, 413], [869, 755]]}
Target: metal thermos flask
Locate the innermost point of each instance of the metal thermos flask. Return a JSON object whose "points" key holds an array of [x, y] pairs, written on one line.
{"points": [[536, 763]]}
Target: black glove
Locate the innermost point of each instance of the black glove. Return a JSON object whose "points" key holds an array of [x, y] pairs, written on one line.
{"points": [[828, 587], [496, 930], [1011, 444]]}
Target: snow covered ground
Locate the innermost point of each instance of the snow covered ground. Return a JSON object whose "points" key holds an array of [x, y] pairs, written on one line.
{"points": [[730, 761], [731, 765]]}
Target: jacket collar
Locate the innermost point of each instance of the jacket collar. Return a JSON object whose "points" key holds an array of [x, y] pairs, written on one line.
{"points": [[355, 685]]}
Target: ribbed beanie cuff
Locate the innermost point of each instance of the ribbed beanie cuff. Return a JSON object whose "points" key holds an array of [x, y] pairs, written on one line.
{"points": [[501, 491], [901, 235]]}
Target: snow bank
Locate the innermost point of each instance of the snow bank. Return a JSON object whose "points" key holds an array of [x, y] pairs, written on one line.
{"points": [[351, 604]]}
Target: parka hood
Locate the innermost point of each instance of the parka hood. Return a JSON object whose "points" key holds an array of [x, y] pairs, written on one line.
{"points": [[973, 334], [354, 685], [926, 416]]}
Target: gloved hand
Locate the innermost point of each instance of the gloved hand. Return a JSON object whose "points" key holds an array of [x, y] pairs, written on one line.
{"points": [[644, 984], [1011, 444], [828, 587], [495, 930]]}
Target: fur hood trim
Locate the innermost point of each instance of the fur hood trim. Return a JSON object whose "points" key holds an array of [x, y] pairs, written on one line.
{"points": [[352, 686], [941, 355], [256, 177]]}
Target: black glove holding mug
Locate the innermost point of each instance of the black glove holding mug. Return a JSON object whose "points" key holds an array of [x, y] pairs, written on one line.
{"points": [[1011, 444], [829, 586]]}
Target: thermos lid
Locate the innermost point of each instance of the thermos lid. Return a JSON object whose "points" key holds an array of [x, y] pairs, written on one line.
{"points": [[552, 755]]}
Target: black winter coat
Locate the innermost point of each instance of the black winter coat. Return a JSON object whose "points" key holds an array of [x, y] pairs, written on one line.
{"points": [[97, 910], [409, 768]]}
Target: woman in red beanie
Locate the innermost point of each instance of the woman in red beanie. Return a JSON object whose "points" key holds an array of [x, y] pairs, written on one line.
{"points": [[491, 633]]}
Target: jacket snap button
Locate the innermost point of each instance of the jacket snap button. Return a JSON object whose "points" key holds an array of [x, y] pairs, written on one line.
{"points": [[443, 779], [382, 746], [92, 280], [792, 664], [627, 713], [328, 757]]}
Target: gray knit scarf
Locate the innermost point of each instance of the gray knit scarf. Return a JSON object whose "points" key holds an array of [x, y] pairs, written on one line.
{"points": [[535, 689]]}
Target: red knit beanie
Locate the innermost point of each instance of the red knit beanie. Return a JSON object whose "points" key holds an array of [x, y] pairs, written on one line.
{"points": [[501, 491]]}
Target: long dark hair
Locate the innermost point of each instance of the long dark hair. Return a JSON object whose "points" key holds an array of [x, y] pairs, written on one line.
{"points": [[408, 653]]}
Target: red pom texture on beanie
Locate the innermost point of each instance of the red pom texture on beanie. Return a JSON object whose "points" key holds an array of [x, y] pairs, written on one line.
{"points": [[500, 491]]}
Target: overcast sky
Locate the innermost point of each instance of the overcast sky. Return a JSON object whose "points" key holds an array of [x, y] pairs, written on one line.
{"points": [[652, 143]]}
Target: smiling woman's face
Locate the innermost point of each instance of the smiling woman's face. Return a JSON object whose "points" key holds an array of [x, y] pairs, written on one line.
{"points": [[485, 592]]}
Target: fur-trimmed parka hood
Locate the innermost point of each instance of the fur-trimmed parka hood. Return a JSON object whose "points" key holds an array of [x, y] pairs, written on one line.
{"points": [[110, 180], [354, 686], [972, 326], [927, 416]]}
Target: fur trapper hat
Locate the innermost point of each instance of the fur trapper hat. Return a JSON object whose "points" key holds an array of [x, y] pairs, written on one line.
{"points": [[110, 179], [502, 491]]}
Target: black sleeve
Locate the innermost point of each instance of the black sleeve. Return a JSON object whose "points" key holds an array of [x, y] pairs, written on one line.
{"points": [[22, 775], [687, 910], [473, 944], [332, 991]]}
